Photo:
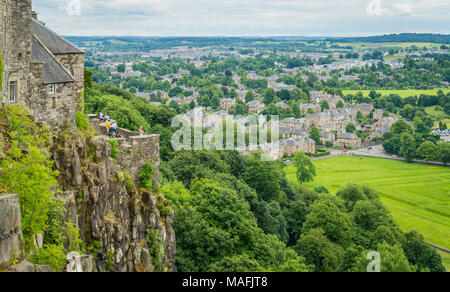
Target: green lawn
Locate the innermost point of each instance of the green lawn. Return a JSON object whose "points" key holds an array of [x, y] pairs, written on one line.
{"points": [[364, 46], [445, 260], [439, 115], [402, 93], [417, 195]]}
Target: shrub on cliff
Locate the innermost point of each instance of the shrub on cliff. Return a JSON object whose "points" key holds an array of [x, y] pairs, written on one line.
{"points": [[26, 168], [114, 148], [81, 121], [146, 176]]}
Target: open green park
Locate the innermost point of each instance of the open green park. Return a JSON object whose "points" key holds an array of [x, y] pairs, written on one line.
{"points": [[417, 195], [401, 92]]}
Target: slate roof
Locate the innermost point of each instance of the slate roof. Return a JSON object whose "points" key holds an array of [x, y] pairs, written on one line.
{"points": [[347, 136], [255, 102], [284, 130], [289, 142], [53, 72], [298, 132], [54, 42]]}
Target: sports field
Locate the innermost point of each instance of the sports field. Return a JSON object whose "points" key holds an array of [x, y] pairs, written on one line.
{"points": [[402, 93], [417, 195]]}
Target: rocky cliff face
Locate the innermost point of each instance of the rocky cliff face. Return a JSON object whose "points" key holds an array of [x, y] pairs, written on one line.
{"points": [[10, 229], [125, 227]]}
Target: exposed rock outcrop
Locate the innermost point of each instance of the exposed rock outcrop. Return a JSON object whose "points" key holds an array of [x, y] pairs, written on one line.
{"points": [[126, 228], [10, 229], [80, 263]]}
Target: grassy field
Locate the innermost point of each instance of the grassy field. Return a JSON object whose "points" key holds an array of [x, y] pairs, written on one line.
{"points": [[445, 260], [402, 93], [365, 46], [417, 195], [439, 115]]}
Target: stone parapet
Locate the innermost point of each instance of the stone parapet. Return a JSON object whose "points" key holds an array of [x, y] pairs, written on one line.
{"points": [[136, 151]]}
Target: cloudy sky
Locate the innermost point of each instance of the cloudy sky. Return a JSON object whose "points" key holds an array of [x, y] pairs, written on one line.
{"points": [[243, 17]]}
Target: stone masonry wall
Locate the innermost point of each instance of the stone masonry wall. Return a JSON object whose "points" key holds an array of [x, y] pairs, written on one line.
{"points": [[15, 43], [134, 152], [10, 229], [74, 63], [51, 109]]}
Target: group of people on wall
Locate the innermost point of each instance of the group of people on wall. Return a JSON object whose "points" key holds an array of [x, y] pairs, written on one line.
{"points": [[111, 127]]}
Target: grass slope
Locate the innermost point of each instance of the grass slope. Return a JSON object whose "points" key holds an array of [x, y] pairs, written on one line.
{"points": [[418, 196], [403, 93], [445, 260]]}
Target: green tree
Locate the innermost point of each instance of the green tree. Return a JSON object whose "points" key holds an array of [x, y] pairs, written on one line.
{"points": [[306, 171], [314, 134], [269, 96], [327, 216], [428, 151], [240, 108], [350, 259], [174, 105], [215, 102], [319, 251], [444, 152], [26, 168], [236, 264], [400, 127], [368, 215], [324, 105], [393, 259], [233, 93], [264, 177], [350, 128], [385, 233], [409, 112], [447, 109], [351, 194], [422, 255], [121, 68], [296, 109], [408, 147], [249, 96], [87, 78]]}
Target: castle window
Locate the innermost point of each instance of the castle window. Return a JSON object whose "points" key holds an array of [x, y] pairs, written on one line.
{"points": [[51, 89], [12, 91]]}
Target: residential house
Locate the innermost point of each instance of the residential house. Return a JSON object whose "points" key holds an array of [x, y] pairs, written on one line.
{"points": [[348, 140], [256, 106]]}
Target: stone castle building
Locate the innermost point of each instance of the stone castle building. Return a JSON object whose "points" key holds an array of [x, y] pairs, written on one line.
{"points": [[40, 68]]}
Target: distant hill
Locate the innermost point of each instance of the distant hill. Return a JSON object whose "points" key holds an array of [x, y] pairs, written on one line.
{"points": [[398, 38]]}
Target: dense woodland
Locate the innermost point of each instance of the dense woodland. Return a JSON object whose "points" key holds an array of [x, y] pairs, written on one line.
{"points": [[402, 37], [236, 213]]}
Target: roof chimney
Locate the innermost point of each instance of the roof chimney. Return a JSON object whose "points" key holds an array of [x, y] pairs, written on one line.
{"points": [[34, 15]]}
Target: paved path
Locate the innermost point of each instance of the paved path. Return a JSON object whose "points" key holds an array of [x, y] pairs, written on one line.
{"points": [[334, 153], [376, 151]]}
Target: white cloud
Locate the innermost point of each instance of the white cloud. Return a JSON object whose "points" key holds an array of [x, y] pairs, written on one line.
{"points": [[244, 17], [404, 9]]}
